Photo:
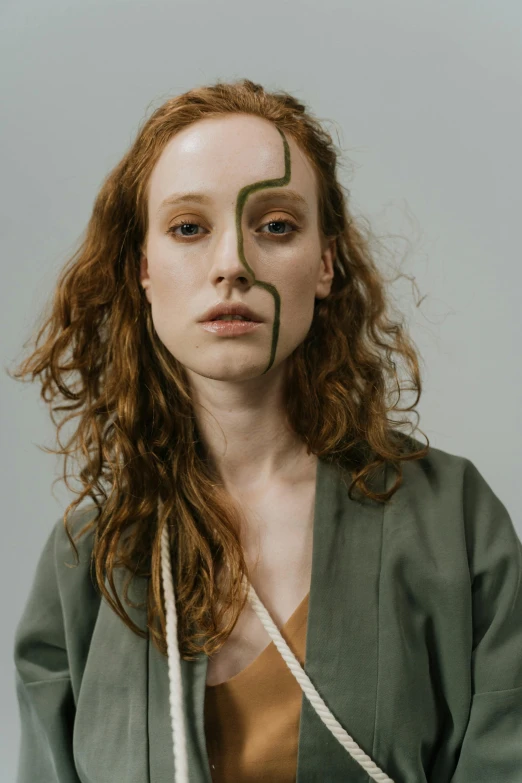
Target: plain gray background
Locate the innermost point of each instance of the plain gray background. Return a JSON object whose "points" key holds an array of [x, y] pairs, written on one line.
{"points": [[426, 100]]}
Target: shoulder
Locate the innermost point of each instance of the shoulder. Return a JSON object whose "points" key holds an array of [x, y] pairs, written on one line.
{"points": [[448, 493], [57, 565], [437, 469], [447, 477], [76, 522]]}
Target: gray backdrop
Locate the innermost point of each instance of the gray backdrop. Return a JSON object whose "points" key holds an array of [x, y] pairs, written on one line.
{"points": [[426, 99]]}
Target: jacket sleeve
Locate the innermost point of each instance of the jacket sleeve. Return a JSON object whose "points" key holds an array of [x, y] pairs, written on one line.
{"points": [[43, 683], [492, 746]]}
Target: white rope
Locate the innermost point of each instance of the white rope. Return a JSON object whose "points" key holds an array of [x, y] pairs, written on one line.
{"points": [[313, 696], [175, 684]]}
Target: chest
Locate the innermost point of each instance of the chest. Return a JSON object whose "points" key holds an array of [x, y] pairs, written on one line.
{"points": [[277, 542]]}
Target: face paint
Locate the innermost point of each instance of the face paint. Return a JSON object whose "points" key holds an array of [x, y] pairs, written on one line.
{"points": [[240, 204]]}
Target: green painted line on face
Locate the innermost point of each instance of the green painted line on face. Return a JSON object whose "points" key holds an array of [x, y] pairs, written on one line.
{"points": [[241, 200]]}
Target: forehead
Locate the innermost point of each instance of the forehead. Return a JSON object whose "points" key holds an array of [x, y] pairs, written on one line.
{"points": [[218, 156]]}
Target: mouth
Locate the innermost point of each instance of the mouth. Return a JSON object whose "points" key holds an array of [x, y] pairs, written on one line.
{"points": [[230, 327], [233, 318], [224, 311]]}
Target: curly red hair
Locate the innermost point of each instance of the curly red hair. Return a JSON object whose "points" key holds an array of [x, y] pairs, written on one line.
{"points": [[136, 430]]}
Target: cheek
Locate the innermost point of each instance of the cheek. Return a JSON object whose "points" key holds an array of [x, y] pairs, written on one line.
{"points": [[297, 305], [170, 294], [173, 277]]}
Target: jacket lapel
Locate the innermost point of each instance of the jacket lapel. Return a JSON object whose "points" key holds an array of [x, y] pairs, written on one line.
{"points": [[109, 737], [341, 646], [342, 627]]}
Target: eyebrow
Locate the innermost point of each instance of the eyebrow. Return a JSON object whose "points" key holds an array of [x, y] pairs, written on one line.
{"points": [[260, 197]]}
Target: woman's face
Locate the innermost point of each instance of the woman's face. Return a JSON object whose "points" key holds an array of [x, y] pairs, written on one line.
{"points": [[242, 239]]}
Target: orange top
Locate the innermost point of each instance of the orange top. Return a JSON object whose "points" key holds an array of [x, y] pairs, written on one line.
{"points": [[252, 719]]}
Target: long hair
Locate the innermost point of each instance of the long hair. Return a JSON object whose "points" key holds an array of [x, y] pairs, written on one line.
{"points": [[136, 439]]}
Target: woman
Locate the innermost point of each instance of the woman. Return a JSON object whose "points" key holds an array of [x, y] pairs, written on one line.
{"points": [[310, 594]]}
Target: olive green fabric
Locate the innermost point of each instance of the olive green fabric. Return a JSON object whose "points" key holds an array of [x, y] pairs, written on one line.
{"points": [[414, 640]]}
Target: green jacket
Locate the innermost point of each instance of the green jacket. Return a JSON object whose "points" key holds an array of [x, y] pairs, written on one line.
{"points": [[414, 641]]}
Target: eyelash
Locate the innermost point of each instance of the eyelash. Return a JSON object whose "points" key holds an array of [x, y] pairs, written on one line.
{"points": [[189, 223]]}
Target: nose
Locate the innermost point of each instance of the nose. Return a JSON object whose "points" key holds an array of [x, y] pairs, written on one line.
{"points": [[229, 261]]}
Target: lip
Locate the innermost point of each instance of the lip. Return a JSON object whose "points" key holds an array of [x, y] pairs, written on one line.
{"points": [[230, 328], [230, 308]]}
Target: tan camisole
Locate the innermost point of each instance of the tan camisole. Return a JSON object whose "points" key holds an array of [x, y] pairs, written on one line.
{"points": [[252, 719]]}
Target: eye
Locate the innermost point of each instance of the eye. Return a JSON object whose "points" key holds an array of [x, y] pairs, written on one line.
{"points": [[281, 222], [183, 224]]}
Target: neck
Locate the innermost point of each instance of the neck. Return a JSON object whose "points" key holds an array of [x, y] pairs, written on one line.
{"points": [[244, 430]]}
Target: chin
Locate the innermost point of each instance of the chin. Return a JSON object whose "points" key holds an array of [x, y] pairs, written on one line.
{"points": [[233, 375], [229, 371]]}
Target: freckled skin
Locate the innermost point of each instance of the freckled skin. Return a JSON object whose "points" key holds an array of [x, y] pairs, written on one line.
{"points": [[240, 204]]}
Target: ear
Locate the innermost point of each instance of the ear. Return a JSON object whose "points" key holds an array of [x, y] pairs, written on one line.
{"points": [[144, 275], [326, 269]]}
